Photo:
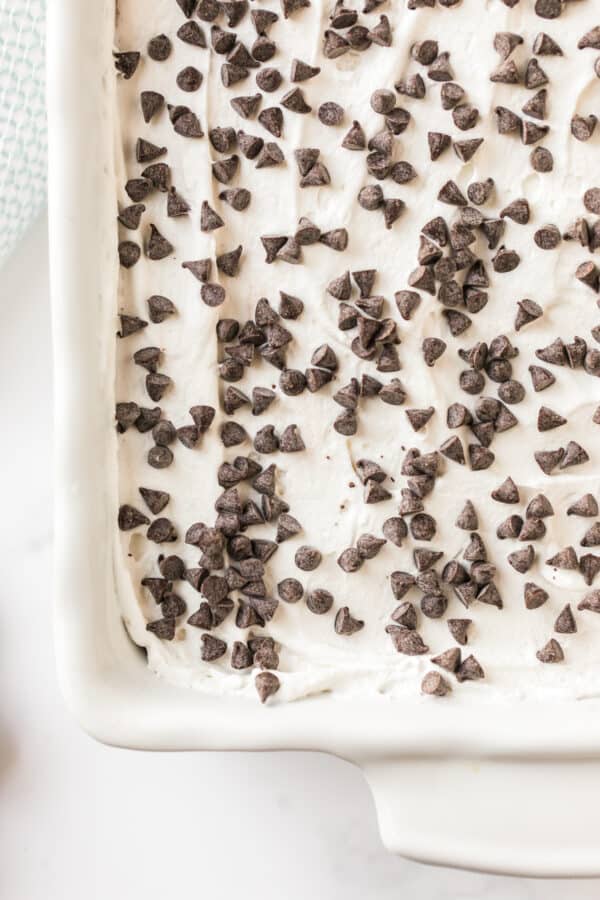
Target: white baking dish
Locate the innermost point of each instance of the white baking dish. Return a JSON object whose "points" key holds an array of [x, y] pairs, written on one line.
{"points": [[505, 788]]}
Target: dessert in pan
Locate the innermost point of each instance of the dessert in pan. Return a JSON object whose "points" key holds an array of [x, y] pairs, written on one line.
{"points": [[357, 406]]}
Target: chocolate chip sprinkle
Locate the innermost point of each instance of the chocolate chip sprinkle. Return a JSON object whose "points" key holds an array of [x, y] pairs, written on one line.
{"points": [[459, 630], [551, 652], [406, 641], [469, 670], [130, 518], [129, 254], [126, 62], [266, 683], [162, 628], [435, 684], [345, 623]]}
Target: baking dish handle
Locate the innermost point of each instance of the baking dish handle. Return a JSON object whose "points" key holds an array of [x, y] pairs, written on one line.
{"points": [[508, 816]]}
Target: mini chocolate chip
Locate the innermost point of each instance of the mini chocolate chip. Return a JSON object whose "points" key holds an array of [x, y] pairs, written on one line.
{"points": [[161, 531], [507, 492], [588, 274], [413, 86], [212, 647], [438, 142], [480, 457], [506, 73], [469, 670], [207, 10], [405, 614], [268, 80], [287, 527], [130, 517], [544, 45], [265, 440], [407, 641], [510, 528], [522, 560], [137, 189], [425, 52], [224, 169], [401, 583], [505, 42], [241, 656], [511, 391], [272, 119], [552, 651], [586, 505], [592, 536], [589, 566], [435, 685], [371, 197], [355, 138], [164, 433], [565, 622], [536, 106], [541, 378], [188, 435], [246, 107], [159, 48], [147, 419], [192, 33], [465, 116], [173, 569], [267, 683], [425, 559], [345, 623], [129, 254], [548, 419], [203, 417], [574, 455], [547, 460], [440, 69], [162, 628], [382, 33], [583, 127], [126, 62], [154, 500], [539, 507], [212, 294], [307, 558], [156, 385], [449, 659], [229, 262], [541, 160], [294, 101], [319, 601], [330, 114], [471, 381], [418, 418], [158, 247], [263, 49], [548, 237]]}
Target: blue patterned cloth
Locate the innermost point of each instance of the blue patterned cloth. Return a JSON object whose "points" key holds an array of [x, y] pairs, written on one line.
{"points": [[22, 118]]}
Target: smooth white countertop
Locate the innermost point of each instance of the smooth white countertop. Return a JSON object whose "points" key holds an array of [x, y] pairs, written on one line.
{"points": [[79, 820]]}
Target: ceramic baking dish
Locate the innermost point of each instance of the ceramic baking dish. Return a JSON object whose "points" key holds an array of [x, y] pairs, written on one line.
{"points": [[504, 788]]}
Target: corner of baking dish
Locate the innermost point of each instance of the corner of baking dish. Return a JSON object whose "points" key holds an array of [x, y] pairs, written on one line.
{"points": [[487, 757], [106, 680]]}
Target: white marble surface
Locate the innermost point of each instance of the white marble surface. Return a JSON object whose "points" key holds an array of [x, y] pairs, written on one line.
{"points": [[79, 820]]}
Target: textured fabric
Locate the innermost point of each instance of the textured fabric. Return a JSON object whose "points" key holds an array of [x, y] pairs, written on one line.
{"points": [[22, 118]]}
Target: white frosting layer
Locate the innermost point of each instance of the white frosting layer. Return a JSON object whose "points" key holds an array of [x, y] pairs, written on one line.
{"points": [[316, 483]]}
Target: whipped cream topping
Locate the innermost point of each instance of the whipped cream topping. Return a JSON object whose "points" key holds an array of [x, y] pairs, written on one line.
{"points": [[320, 484]]}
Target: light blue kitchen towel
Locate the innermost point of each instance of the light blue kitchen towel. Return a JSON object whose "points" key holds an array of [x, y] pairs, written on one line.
{"points": [[22, 118]]}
